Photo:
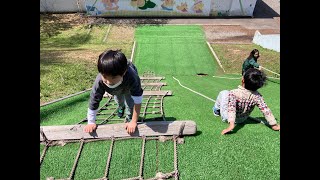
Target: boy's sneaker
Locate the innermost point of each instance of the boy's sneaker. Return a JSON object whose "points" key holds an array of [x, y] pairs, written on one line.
{"points": [[216, 112], [120, 112]]}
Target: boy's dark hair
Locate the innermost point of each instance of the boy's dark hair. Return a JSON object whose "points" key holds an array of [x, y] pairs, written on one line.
{"points": [[112, 63], [254, 79]]}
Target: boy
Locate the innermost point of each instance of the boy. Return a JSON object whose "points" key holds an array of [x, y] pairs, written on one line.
{"points": [[236, 105], [120, 78]]}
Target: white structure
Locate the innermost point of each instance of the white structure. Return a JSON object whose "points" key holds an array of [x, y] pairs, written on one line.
{"points": [[232, 7], [269, 41], [151, 7], [62, 6]]}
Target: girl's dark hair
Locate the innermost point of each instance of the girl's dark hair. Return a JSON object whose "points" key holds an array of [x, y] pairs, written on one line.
{"points": [[112, 63], [254, 79], [253, 52]]}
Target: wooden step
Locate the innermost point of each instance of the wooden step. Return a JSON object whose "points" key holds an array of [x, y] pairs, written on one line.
{"points": [[152, 128], [157, 93], [151, 78], [148, 93], [154, 84]]}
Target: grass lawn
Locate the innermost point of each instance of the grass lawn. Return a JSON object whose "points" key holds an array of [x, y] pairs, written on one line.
{"points": [[233, 55], [68, 55], [252, 152]]}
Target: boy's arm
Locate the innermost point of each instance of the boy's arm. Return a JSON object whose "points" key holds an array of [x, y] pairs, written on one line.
{"points": [[230, 128], [267, 113], [136, 112], [96, 96], [131, 126], [137, 95], [231, 113]]}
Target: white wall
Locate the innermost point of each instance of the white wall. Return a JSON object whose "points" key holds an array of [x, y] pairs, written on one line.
{"points": [[242, 7], [233, 7], [269, 41], [210, 7], [53, 6]]}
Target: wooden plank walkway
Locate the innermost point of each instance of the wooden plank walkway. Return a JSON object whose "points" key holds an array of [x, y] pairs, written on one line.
{"points": [[152, 128]]}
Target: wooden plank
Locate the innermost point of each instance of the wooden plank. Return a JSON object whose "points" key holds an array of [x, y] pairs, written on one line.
{"points": [[147, 93], [152, 128], [155, 93], [154, 84], [151, 78]]}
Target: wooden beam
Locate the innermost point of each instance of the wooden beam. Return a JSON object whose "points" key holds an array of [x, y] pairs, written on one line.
{"points": [[152, 128], [157, 93], [148, 93], [151, 78], [154, 84]]}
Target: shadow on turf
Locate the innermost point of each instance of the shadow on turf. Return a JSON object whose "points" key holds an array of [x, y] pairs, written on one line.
{"points": [[274, 81], [59, 106], [165, 128], [261, 120]]}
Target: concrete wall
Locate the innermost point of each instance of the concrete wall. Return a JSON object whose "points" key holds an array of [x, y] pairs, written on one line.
{"points": [[232, 7], [62, 6], [152, 8], [269, 41]]}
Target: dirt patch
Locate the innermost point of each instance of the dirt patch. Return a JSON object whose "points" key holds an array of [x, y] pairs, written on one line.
{"points": [[53, 24], [129, 21], [121, 33], [233, 33], [233, 55], [73, 19], [70, 56], [277, 19], [84, 55]]}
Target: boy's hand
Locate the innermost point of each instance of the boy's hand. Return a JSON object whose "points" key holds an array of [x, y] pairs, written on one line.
{"points": [[131, 127], [276, 127], [90, 128], [225, 131], [230, 128]]}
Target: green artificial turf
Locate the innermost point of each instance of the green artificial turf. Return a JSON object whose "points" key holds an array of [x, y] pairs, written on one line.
{"points": [[251, 152]]}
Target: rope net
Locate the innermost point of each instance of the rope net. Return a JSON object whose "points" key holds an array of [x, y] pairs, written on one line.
{"points": [[107, 113]]}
